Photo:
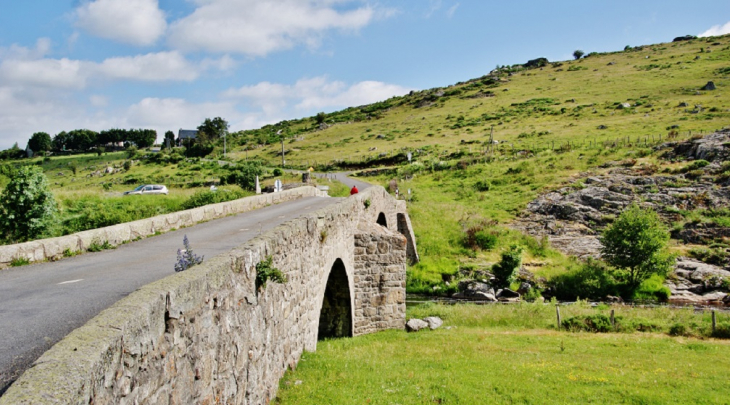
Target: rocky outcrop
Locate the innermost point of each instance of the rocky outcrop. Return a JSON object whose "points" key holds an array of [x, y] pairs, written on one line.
{"points": [[573, 216]]}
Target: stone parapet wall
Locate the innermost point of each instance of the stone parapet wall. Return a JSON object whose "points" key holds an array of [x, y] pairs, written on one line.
{"points": [[208, 336], [54, 248]]}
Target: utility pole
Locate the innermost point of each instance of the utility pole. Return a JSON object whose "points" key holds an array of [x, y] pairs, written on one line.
{"points": [[283, 162]]}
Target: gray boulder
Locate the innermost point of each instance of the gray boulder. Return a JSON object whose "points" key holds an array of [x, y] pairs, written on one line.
{"points": [[433, 322], [414, 325]]}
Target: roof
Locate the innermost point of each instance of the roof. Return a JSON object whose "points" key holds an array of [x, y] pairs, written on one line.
{"points": [[187, 133]]}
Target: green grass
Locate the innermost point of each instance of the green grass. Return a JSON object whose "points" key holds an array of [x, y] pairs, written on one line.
{"points": [[498, 354]]}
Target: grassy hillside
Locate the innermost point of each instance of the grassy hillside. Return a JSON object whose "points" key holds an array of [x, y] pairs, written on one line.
{"points": [[529, 108], [549, 124]]}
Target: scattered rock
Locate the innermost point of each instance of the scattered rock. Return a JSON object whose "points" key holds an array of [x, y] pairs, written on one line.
{"points": [[414, 325], [623, 106], [709, 86], [507, 293], [433, 322]]}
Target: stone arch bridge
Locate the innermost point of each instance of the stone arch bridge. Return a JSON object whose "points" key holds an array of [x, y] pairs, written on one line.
{"points": [[209, 335]]}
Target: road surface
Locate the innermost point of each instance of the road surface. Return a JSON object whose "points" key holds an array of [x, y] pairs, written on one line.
{"points": [[41, 303]]}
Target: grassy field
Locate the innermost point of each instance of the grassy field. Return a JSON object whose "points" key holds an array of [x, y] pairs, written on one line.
{"points": [[499, 355]]}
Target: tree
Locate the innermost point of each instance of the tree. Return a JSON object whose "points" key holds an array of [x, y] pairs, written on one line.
{"points": [[636, 244], [171, 136], [578, 54], [506, 269], [27, 207], [212, 129], [244, 175], [40, 142], [320, 117]]}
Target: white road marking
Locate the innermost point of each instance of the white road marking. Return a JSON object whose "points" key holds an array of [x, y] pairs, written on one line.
{"points": [[71, 281]]}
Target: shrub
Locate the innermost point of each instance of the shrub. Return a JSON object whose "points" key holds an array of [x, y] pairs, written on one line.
{"points": [[635, 244], [277, 172], [265, 271], [206, 197], [588, 323], [591, 280], [722, 331], [710, 256], [485, 240], [505, 271], [27, 207], [482, 185], [678, 329], [186, 258], [244, 175]]}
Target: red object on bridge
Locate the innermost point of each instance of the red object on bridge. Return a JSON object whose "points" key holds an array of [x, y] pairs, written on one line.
{"points": [[353, 190]]}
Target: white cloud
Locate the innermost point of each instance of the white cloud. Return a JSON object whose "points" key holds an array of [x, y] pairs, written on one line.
{"points": [[136, 22], [717, 30], [162, 66], [307, 96], [21, 66], [255, 27], [165, 114]]}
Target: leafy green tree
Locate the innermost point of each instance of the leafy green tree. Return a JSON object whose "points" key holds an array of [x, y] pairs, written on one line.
{"points": [[212, 129], [320, 117], [578, 54], [506, 270], [636, 245], [244, 175], [27, 207], [40, 142], [171, 136]]}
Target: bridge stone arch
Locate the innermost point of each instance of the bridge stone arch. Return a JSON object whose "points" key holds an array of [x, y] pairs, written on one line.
{"points": [[335, 316], [382, 221], [209, 334]]}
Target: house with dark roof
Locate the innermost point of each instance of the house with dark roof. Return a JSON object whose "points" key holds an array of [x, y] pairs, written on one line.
{"points": [[186, 136]]}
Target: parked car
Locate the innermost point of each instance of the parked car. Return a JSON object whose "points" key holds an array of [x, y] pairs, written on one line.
{"points": [[148, 189]]}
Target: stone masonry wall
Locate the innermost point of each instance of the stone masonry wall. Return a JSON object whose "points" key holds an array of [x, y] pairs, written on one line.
{"points": [[53, 248], [380, 279], [207, 336]]}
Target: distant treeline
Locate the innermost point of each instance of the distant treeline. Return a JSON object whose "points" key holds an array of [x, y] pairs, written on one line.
{"points": [[84, 139]]}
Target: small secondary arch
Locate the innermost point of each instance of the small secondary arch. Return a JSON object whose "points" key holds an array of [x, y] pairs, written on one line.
{"points": [[335, 318], [382, 221]]}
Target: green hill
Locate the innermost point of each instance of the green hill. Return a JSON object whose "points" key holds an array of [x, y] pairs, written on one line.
{"points": [[550, 122]]}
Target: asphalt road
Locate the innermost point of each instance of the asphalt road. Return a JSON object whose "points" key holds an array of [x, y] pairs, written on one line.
{"points": [[42, 303]]}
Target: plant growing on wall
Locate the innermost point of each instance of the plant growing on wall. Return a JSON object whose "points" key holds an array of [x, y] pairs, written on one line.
{"points": [[265, 271], [186, 258]]}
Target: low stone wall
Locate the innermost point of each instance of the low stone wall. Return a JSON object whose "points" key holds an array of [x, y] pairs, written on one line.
{"points": [[54, 248], [208, 336]]}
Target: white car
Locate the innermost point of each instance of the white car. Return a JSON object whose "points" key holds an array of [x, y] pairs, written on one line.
{"points": [[148, 189]]}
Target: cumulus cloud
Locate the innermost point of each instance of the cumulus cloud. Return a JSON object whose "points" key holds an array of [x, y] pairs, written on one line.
{"points": [[27, 67], [717, 30], [136, 22], [307, 96], [256, 28], [161, 66]]}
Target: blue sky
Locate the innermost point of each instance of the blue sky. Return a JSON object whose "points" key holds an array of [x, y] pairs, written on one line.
{"points": [[164, 64]]}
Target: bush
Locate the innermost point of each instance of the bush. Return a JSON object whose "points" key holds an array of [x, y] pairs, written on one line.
{"points": [[27, 208], [277, 172], [722, 331], [482, 185], [588, 323], [678, 329], [206, 197], [505, 271], [244, 175], [485, 240], [591, 280]]}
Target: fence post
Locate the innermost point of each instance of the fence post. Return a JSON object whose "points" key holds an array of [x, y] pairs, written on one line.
{"points": [[557, 311], [613, 320]]}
